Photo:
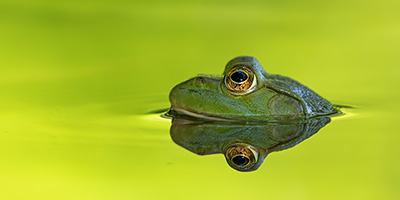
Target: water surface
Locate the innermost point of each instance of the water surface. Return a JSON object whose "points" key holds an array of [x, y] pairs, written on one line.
{"points": [[78, 79]]}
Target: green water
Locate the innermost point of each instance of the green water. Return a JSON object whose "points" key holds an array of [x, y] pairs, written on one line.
{"points": [[78, 77]]}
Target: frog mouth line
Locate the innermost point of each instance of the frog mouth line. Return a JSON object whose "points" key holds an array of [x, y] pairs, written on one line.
{"points": [[194, 114], [206, 116]]}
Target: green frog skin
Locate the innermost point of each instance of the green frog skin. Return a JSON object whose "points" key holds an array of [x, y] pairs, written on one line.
{"points": [[247, 92]]}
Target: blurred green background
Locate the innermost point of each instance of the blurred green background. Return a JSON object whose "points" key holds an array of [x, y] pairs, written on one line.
{"points": [[77, 79]]}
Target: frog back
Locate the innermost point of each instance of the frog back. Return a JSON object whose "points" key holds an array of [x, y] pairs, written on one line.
{"points": [[313, 104]]}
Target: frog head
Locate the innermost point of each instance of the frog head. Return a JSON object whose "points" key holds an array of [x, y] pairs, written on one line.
{"points": [[240, 93]]}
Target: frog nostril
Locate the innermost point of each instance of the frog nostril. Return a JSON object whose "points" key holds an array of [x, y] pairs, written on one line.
{"points": [[201, 79]]}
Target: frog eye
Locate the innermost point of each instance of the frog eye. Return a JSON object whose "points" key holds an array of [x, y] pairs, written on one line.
{"points": [[240, 80], [241, 156]]}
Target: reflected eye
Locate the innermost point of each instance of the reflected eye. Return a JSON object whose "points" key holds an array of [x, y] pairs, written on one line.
{"points": [[241, 156], [240, 80]]}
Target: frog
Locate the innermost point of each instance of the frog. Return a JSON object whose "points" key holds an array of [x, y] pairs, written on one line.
{"points": [[246, 92]]}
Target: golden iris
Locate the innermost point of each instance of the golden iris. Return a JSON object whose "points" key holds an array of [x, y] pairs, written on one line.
{"points": [[241, 156], [240, 80]]}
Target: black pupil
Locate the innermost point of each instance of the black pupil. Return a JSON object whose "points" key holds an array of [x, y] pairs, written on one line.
{"points": [[239, 76], [240, 160]]}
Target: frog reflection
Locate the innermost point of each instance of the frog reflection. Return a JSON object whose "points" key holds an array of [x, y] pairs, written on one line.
{"points": [[244, 146]]}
